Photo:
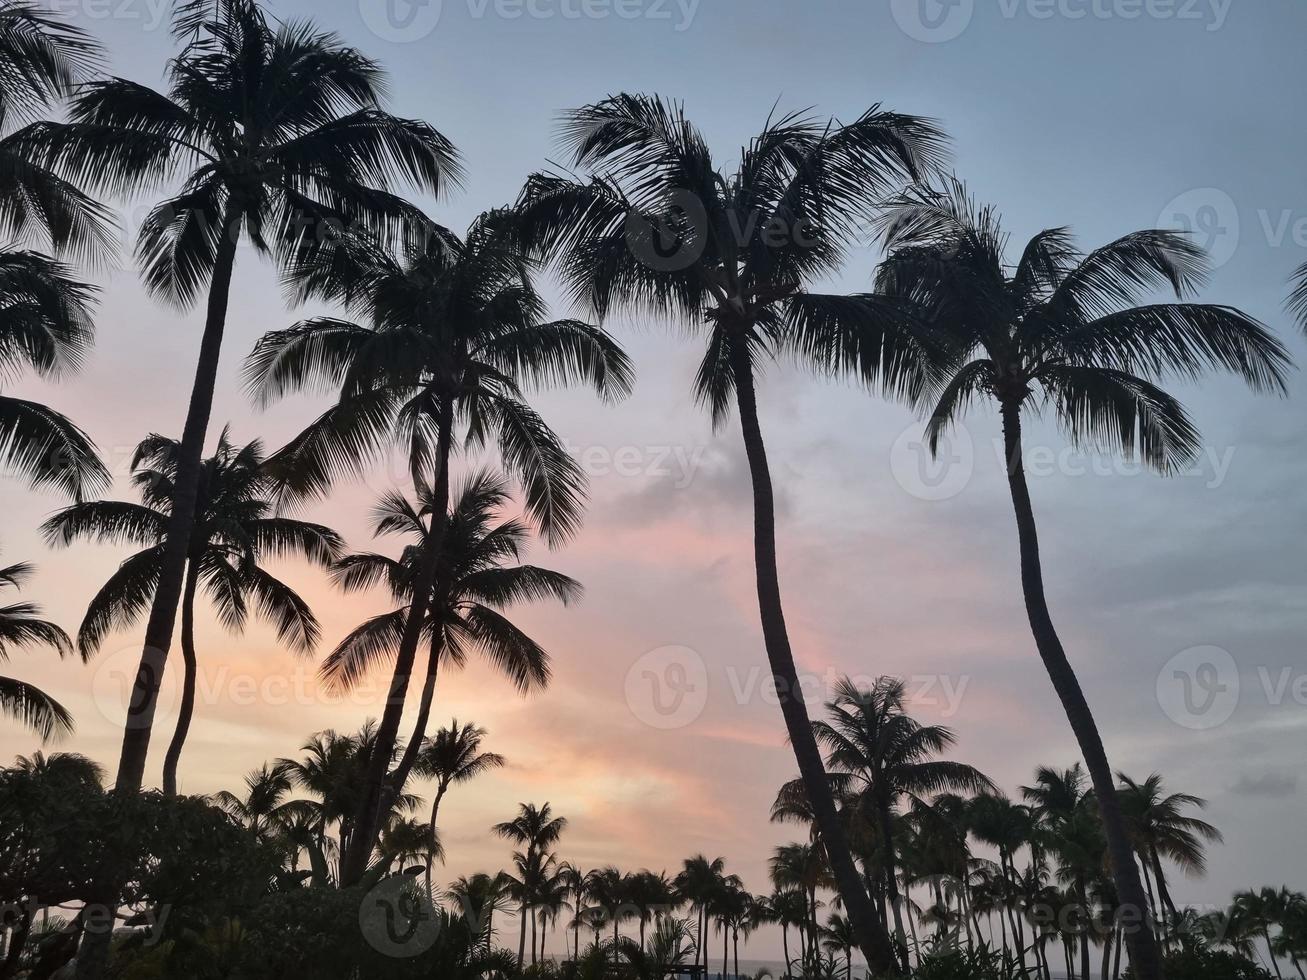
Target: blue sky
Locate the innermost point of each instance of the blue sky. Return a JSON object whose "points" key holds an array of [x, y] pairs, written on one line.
{"points": [[1107, 116]]}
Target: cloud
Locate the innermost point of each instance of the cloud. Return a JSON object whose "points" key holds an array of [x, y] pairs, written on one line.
{"points": [[1275, 785]]}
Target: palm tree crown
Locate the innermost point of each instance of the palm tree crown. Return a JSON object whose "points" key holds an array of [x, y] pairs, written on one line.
{"points": [[22, 627]]}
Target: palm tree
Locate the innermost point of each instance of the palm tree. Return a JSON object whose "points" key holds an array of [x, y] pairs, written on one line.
{"points": [[276, 133], [456, 331], [478, 898], [804, 868], [658, 227], [838, 937], [22, 627], [1062, 329], [877, 752], [452, 756], [234, 533], [1261, 911], [789, 908], [405, 840], [1160, 828], [1007, 827], [535, 830], [698, 881], [266, 792], [477, 579]]}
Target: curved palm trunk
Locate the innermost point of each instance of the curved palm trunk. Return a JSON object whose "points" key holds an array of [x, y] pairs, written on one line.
{"points": [[187, 708], [872, 938], [1270, 951], [400, 776], [368, 819], [1144, 954], [435, 809], [93, 953], [891, 881]]}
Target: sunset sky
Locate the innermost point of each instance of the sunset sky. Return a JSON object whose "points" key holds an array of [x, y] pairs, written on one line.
{"points": [[1108, 117]]}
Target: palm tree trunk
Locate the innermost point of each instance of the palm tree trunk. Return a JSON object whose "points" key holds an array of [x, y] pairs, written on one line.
{"points": [[368, 818], [872, 939], [94, 950], [785, 946], [1144, 954], [411, 751], [891, 880], [187, 708], [735, 946], [1270, 949], [435, 809], [521, 943], [1163, 893]]}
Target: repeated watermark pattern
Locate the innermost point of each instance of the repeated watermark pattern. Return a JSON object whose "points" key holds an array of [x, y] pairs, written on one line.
{"points": [[1201, 687], [940, 21], [668, 688], [406, 21]]}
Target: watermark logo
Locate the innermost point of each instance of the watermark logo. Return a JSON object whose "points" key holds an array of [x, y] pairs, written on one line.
{"points": [[673, 240], [1199, 688], [933, 21], [1210, 216], [667, 688], [397, 919], [114, 680], [941, 475], [401, 21]]}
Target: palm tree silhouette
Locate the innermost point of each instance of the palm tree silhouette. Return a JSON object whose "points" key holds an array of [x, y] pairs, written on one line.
{"points": [[1062, 329], [658, 227], [477, 579], [233, 534], [535, 830], [22, 627], [1160, 828], [456, 331], [877, 752], [1261, 911], [697, 883], [276, 133], [265, 799], [451, 756], [479, 897]]}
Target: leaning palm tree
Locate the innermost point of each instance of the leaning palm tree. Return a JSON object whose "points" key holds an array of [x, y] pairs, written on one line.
{"points": [[455, 332], [654, 225], [233, 535], [1063, 330], [20, 627], [478, 579], [1160, 829], [275, 133], [451, 756]]}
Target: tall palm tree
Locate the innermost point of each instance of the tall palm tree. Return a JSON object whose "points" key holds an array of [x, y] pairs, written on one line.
{"points": [[451, 756], [21, 627], [577, 883], [536, 830], [478, 578], [698, 881], [1064, 330], [877, 752], [234, 533], [1007, 827], [455, 333], [804, 868], [276, 133], [657, 226], [1261, 911], [1160, 828]]}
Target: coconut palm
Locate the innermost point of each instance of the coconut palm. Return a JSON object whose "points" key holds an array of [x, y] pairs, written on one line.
{"points": [[698, 881], [1064, 330], [455, 332], [875, 751], [654, 225], [803, 868], [265, 799], [234, 534], [275, 133], [535, 830], [451, 756], [403, 840], [21, 627], [478, 897], [1261, 911], [1160, 828], [478, 578], [838, 937], [1007, 827]]}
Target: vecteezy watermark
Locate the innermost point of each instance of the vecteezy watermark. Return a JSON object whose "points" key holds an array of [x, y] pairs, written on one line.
{"points": [[941, 692], [405, 21], [944, 474], [149, 14], [1210, 216], [217, 683], [667, 688], [397, 918], [676, 465], [1198, 688], [937, 21], [940, 475]]}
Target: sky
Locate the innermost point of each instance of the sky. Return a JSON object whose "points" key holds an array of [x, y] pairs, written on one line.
{"points": [[1181, 601]]}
